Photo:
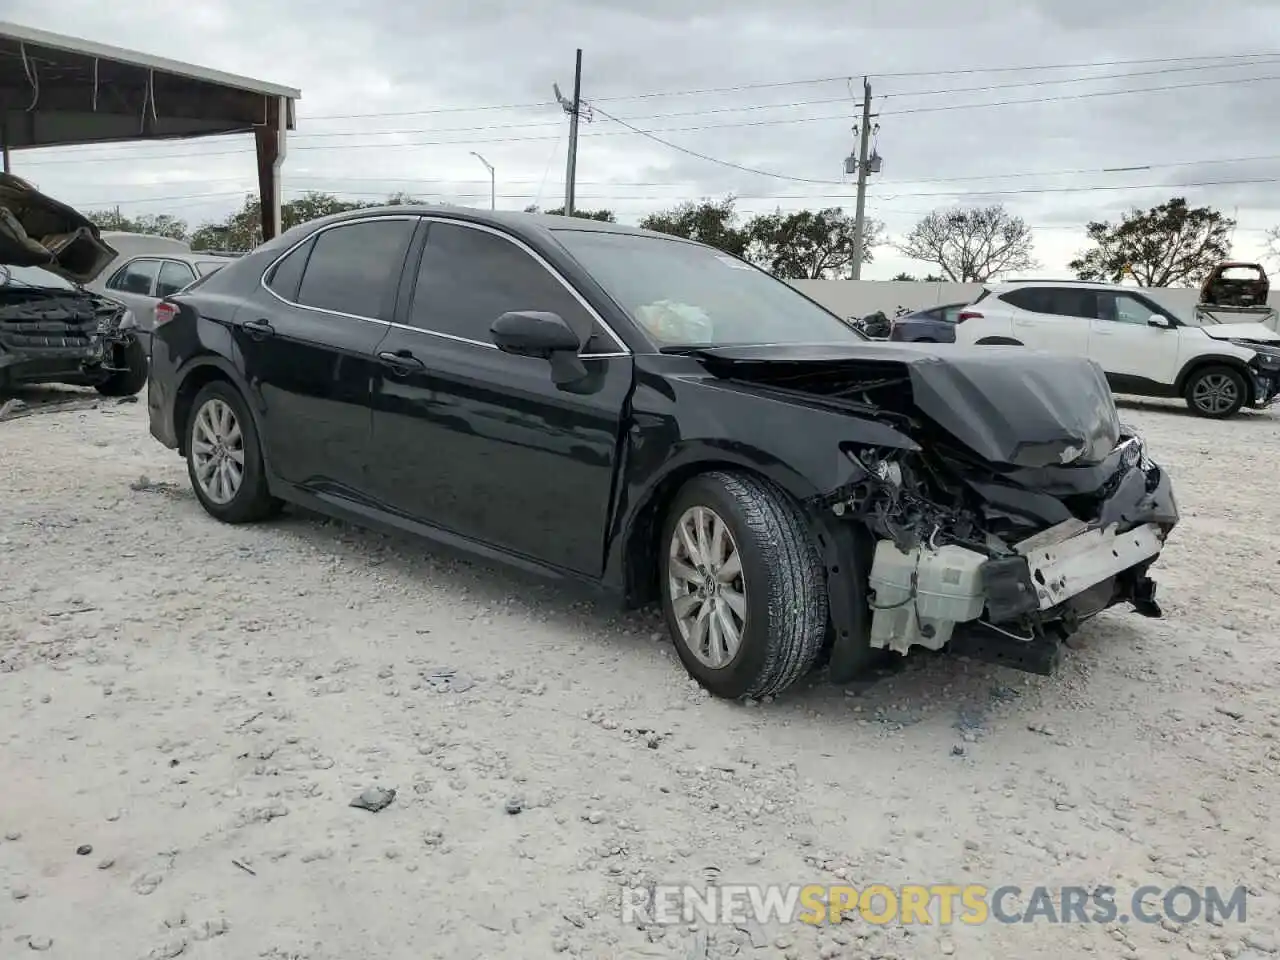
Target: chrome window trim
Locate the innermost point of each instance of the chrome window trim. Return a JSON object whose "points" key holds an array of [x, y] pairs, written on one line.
{"points": [[623, 351]]}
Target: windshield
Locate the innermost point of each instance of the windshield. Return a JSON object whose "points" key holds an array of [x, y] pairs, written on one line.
{"points": [[33, 277], [207, 267], [686, 295]]}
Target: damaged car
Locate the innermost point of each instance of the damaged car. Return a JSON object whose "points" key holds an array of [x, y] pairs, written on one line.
{"points": [[662, 421], [52, 330]]}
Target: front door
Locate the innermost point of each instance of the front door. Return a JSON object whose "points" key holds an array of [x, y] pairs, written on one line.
{"points": [[481, 443], [307, 347], [1128, 348]]}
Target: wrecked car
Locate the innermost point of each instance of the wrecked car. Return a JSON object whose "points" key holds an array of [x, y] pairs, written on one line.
{"points": [[52, 330], [664, 422]]}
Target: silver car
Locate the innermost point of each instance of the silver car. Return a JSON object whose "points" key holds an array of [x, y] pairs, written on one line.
{"points": [[144, 280]]}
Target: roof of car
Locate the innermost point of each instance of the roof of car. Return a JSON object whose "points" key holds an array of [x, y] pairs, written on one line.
{"points": [[1050, 281], [511, 221]]}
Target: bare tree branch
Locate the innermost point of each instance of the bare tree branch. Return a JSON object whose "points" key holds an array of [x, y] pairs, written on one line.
{"points": [[972, 245]]}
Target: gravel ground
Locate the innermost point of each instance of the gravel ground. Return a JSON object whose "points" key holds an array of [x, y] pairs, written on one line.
{"points": [[198, 704]]}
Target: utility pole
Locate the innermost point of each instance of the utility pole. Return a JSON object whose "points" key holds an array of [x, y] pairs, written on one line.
{"points": [[864, 133], [493, 184], [573, 108]]}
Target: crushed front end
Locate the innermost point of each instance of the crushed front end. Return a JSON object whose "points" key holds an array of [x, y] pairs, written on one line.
{"points": [[57, 335], [1003, 564], [997, 504]]}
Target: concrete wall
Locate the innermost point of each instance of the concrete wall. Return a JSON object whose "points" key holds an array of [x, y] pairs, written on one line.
{"points": [[857, 298]]}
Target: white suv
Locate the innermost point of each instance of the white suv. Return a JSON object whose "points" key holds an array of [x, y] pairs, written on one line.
{"points": [[1142, 347]]}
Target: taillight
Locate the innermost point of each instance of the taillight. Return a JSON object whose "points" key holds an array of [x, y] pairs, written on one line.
{"points": [[968, 315], [165, 312]]}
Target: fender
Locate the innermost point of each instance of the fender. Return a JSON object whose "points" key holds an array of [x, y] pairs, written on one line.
{"points": [[1211, 359], [196, 369], [680, 426]]}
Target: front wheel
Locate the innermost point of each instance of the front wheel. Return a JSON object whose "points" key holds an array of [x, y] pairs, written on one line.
{"points": [[224, 460], [743, 588], [1216, 392], [132, 377]]}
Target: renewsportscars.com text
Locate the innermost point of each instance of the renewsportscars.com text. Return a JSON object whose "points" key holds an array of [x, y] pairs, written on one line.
{"points": [[928, 904]]}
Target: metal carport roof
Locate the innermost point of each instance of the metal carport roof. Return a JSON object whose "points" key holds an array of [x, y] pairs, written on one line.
{"points": [[61, 91]]}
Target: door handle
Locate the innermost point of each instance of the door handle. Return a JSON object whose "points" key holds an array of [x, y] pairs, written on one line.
{"points": [[401, 362], [259, 329]]}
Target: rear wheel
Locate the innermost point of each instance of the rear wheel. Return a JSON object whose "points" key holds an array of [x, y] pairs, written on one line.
{"points": [[1216, 392], [224, 460], [743, 589], [129, 380]]}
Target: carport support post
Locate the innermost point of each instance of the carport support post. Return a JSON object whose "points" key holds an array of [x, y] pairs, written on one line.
{"points": [[270, 141]]}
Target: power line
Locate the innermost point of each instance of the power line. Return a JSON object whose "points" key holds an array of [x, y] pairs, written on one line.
{"points": [[931, 73], [823, 101], [321, 179], [652, 135]]}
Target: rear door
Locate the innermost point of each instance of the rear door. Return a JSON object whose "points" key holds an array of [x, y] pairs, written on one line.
{"points": [[307, 343], [1054, 319], [134, 285], [480, 443]]}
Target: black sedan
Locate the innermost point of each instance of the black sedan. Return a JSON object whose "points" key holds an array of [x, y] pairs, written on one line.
{"points": [[663, 421], [934, 325]]}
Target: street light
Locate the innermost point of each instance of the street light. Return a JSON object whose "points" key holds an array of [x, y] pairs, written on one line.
{"points": [[493, 189]]}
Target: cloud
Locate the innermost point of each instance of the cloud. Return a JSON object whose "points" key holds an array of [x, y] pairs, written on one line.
{"points": [[950, 129]]}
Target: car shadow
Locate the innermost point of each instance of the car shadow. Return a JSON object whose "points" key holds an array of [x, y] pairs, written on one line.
{"points": [[18, 402], [1179, 408], [931, 683]]}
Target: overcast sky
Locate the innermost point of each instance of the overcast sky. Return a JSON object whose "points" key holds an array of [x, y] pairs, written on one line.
{"points": [[941, 74]]}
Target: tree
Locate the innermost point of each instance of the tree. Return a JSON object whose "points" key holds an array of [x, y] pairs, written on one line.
{"points": [[905, 277], [1169, 245], [713, 222], [243, 229], [973, 245], [1273, 244], [605, 216], [808, 244], [161, 224]]}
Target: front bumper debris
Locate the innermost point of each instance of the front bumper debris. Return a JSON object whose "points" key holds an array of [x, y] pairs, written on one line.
{"points": [[1007, 565]]}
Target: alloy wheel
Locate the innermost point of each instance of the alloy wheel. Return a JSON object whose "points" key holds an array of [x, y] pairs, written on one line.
{"points": [[706, 587], [1215, 393], [217, 451]]}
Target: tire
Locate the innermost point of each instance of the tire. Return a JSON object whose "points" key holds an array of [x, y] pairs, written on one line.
{"points": [[127, 382], [925, 340], [1215, 392], [250, 500], [782, 588]]}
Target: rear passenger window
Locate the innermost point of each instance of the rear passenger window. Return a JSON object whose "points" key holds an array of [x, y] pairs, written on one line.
{"points": [[135, 277], [174, 276], [1071, 302], [353, 269], [1034, 299], [286, 275], [468, 278]]}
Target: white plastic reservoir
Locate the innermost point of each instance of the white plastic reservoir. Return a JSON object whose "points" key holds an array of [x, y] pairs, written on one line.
{"points": [[947, 591]]}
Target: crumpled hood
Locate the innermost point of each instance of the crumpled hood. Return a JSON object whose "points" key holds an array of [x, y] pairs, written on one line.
{"points": [[1008, 405], [38, 231], [1241, 331]]}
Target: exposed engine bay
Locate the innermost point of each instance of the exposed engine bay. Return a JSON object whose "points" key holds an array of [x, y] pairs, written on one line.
{"points": [[1015, 502]]}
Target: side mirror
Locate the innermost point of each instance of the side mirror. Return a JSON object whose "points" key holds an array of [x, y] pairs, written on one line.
{"points": [[529, 333], [1156, 320], [534, 333]]}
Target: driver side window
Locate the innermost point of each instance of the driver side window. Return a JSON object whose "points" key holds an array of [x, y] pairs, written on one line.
{"points": [[469, 277], [1126, 309]]}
